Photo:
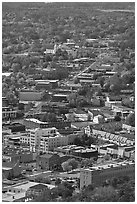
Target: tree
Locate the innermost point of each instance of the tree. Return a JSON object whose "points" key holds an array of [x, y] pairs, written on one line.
{"points": [[117, 118], [87, 162], [66, 166], [76, 81], [101, 80], [127, 192], [130, 120], [48, 58], [77, 141], [15, 67], [105, 194], [58, 181], [73, 163]]}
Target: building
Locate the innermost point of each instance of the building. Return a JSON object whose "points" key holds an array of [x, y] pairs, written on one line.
{"points": [[14, 155], [10, 169], [39, 137], [52, 83], [99, 174], [49, 161], [98, 119], [4, 102], [118, 138], [60, 98], [14, 126], [50, 49], [43, 85], [48, 139], [18, 192], [81, 115], [31, 95], [49, 143], [86, 153], [8, 113], [15, 139], [32, 123], [36, 191]]}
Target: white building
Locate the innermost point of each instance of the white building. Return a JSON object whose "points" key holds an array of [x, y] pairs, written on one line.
{"points": [[98, 119]]}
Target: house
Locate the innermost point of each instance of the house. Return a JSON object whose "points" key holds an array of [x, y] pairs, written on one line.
{"points": [[128, 128], [10, 169], [49, 161], [125, 151], [50, 49], [93, 112], [81, 115]]}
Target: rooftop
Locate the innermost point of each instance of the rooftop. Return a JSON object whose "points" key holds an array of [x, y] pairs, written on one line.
{"points": [[39, 186], [109, 165], [47, 156], [35, 121]]}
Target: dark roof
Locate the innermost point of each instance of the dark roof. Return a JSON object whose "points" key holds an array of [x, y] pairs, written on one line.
{"points": [[113, 147], [47, 156], [95, 112], [105, 148], [7, 164], [128, 135], [49, 46], [39, 186], [129, 149]]}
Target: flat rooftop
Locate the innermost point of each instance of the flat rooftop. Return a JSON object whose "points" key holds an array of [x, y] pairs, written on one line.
{"points": [[109, 165]]}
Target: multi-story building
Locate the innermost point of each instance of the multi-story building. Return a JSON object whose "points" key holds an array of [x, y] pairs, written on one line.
{"points": [[98, 174], [8, 113], [15, 138], [37, 135], [49, 143], [34, 123]]}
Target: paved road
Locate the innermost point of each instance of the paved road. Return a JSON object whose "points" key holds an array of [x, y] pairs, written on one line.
{"points": [[87, 68]]}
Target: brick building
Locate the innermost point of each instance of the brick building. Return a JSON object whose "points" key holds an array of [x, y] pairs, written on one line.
{"points": [[98, 174]]}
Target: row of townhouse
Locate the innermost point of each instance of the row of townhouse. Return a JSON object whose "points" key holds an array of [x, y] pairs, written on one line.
{"points": [[115, 138]]}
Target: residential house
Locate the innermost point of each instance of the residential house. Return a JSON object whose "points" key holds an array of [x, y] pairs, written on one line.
{"points": [[50, 49]]}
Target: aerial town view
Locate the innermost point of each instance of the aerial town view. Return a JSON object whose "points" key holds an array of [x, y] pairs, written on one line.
{"points": [[68, 102]]}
